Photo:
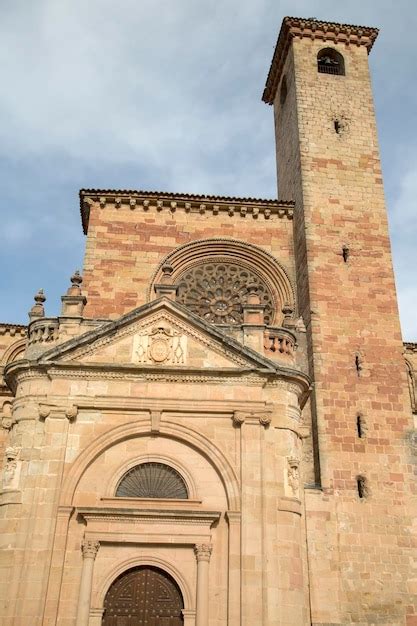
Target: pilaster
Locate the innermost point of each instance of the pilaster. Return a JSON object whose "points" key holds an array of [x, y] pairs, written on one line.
{"points": [[203, 553], [89, 550]]}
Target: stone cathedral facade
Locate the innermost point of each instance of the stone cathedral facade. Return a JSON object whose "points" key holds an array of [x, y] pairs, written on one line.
{"points": [[217, 430]]}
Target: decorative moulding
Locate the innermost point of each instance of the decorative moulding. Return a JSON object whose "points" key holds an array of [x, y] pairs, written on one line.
{"points": [[147, 315], [10, 497], [150, 516], [58, 412], [217, 250], [290, 505], [169, 202], [13, 330], [150, 503]]}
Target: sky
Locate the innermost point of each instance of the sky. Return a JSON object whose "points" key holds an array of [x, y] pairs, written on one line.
{"points": [[166, 95]]}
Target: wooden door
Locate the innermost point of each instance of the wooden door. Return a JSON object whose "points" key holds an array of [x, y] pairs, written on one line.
{"points": [[143, 596]]}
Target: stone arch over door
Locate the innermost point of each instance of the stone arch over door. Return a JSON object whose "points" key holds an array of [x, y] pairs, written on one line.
{"points": [[151, 561], [143, 595], [140, 428]]}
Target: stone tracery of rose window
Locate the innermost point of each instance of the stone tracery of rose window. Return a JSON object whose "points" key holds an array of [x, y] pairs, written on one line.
{"points": [[216, 291]]}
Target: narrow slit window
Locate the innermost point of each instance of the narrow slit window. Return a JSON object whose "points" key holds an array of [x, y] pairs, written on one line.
{"points": [[284, 90], [358, 364], [360, 426], [362, 487]]}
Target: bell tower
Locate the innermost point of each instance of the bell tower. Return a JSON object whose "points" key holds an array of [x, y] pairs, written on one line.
{"points": [[328, 163]]}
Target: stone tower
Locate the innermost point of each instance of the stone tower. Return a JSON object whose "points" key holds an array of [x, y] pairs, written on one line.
{"points": [[217, 429], [328, 163]]}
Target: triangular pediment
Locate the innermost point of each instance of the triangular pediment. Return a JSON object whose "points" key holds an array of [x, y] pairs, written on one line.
{"points": [[162, 334]]}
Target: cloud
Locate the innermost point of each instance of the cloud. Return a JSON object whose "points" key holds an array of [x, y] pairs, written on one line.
{"points": [[162, 95], [404, 237]]}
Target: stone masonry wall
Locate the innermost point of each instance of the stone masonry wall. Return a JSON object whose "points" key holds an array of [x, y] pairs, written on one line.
{"points": [[124, 246], [359, 548]]}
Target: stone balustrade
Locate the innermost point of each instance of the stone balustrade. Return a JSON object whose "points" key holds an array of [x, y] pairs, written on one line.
{"points": [[44, 331], [279, 342]]}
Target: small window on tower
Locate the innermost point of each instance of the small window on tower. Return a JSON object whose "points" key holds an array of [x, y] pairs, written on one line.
{"points": [[284, 90], [329, 61]]}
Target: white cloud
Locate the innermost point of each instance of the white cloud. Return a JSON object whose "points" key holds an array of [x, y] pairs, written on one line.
{"points": [[404, 240], [166, 94]]}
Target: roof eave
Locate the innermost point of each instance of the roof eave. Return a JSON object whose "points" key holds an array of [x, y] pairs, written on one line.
{"points": [[313, 29]]}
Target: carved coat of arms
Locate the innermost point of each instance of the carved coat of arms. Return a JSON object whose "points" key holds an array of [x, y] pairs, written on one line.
{"points": [[160, 345]]}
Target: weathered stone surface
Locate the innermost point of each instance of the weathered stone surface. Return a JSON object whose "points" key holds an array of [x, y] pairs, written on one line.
{"points": [[273, 420]]}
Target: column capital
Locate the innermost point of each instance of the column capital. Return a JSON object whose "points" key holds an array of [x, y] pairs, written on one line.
{"points": [[203, 551], [263, 418], [89, 548]]}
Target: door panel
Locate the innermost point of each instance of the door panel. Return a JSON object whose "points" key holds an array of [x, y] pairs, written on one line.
{"points": [[143, 596]]}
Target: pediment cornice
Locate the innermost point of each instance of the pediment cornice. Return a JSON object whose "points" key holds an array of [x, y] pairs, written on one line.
{"points": [[149, 314]]}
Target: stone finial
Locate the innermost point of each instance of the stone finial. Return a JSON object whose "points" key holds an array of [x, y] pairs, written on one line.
{"points": [[38, 309], [76, 280], [253, 310], [73, 302], [288, 311], [166, 288], [253, 319], [167, 271], [253, 297]]}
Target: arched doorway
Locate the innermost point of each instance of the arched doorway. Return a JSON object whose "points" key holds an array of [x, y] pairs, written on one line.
{"points": [[143, 596]]}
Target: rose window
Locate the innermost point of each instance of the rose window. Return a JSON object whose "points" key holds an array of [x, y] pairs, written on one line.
{"points": [[217, 291]]}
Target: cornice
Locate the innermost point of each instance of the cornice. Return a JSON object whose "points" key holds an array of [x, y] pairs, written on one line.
{"points": [[25, 370], [288, 378], [333, 32], [163, 306], [410, 347], [189, 203], [155, 515], [251, 366], [13, 330], [175, 407]]}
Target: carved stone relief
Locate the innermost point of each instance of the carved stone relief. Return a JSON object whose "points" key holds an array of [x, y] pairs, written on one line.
{"points": [[203, 551], [57, 412], [11, 469], [240, 417], [89, 548], [160, 345], [6, 416], [293, 477]]}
